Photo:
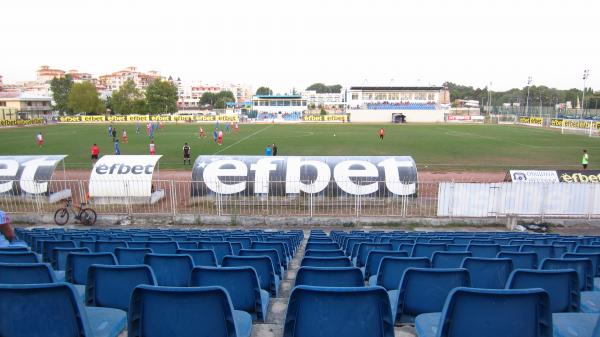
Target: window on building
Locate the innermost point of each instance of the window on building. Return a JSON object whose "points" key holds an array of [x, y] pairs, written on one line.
{"points": [[354, 95], [2, 103], [272, 103], [28, 103], [286, 103]]}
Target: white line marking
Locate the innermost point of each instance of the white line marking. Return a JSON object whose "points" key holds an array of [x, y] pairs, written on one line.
{"points": [[243, 139]]}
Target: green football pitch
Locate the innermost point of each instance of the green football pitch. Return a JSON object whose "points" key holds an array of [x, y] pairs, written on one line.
{"points": [[435, 147]]}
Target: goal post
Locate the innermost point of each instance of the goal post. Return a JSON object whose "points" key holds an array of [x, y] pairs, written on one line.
{"points": [[588, 128]]}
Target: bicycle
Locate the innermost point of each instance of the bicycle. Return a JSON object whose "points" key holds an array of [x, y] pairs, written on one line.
{"points": [[86, 216]]}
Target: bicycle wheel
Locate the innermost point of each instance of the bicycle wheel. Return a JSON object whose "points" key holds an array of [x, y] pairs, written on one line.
{"points": [[61, 216], [88, 216]]}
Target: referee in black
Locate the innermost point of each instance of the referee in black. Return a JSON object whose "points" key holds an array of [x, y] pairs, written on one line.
{"points": [[186, 154]]}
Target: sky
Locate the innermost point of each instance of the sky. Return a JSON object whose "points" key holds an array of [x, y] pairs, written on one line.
{"points": [[287, 44]]}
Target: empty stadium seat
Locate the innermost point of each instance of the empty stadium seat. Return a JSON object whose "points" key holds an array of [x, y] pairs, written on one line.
{"points": [[322, 246], [583, 267], [46, 310], [162, 247], [241, 284], [374, 260], [170, 270], [26, 273], [472, 312], [364, 249], [19, 257], [348, 312], [562, 286], [109, 246], [427, 249], [326, 262], [131, 256], [263, 266], [521, 260], [60, 255], [542, 251], [201, 257], [278, 246], [448, 259], [272, 253], [594, 257], [185, 312], [49, 245], [483, 250], [391, 270], [221, 248], [424, 290], [111, 286], [324, 253], [77, 265], [330, 277], [488, 273]]}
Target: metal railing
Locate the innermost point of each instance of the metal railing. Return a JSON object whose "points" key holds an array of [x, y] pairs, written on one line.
{"points": [[171, 198]]}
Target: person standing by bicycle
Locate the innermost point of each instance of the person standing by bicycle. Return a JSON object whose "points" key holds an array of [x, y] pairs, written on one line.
{"points": [[7, 233]]}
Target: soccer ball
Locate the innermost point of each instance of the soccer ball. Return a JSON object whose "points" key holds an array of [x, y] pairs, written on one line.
{"points": [[334, 134]]}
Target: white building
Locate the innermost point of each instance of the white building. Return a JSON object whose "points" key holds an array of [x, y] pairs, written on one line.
{"points": [[279, 107], [388, 104], [115, 80], [323, 99]]}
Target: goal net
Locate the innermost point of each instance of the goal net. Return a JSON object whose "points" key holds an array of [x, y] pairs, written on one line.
{"points": [[580, 127]]}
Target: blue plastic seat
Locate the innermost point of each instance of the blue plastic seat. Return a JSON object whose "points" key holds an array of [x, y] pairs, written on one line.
{"points": [[330, 277], [131, 256], [348, 312], [201, 257], [391, 270], [263, 266], [162, 247], [272, 253], [542, 251], [456, 247], [521, 260], [52, 310], [26, 273], [583, 267], [170, 270], [364, 249], [324, 253], [109, 246], [594, 257], [60, 255], [424, 290], [472, 312], [241, 284], [326, 262], [49, 245], [427, 249], [19, 257], [483, 250], [448, 259], [221, 248], [322, 246], [488, 273], [76, 270], [374, 260], [187, 245], [587, 249], [111, 286], [246, 242], [562, 286], [185, 312], [278, 246]]}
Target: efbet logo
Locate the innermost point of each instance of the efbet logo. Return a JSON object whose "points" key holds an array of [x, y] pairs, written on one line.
{"points": [[580, 178], [124, 169]]}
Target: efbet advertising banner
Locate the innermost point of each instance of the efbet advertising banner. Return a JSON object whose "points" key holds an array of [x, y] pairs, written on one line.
{"points": [[325, 118], [23, 175], [20, 122], [293, 175], [122, 176], [579, 176], [531, 120], [574, 123], [81, 119]]}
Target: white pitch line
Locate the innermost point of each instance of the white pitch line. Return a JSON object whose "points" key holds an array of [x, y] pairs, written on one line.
{"points": [[243, 139]]}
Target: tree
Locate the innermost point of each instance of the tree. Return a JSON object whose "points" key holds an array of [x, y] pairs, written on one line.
{"points": [[124, 99], [207, 98], [321, 88], [264, 91], [83, 98], [61, 88], [161, 97], [323, 112], [222, 98]]}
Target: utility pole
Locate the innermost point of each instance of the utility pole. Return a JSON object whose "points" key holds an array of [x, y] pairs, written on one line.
{"points": [[527, 103], [586, 74]]}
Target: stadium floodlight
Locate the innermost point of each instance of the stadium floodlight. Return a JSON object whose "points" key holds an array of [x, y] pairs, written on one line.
{"points": [[529, 79], [586, 74]]}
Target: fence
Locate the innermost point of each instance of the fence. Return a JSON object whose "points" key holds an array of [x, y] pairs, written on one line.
{"points": [[433, 199]]}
